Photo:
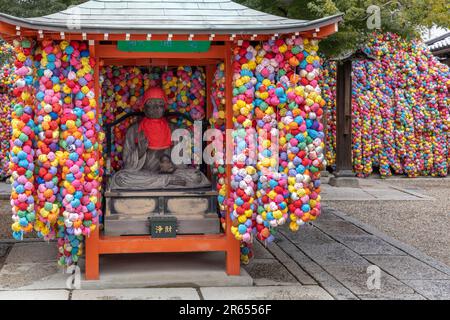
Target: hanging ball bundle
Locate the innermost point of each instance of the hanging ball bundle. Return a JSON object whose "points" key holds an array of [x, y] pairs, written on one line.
{"points": [[271, 191], [217, 121], [243, 172], [7, 80], [328, 82], [48, 59], [22, 150], [79, 154], [276, 98]]}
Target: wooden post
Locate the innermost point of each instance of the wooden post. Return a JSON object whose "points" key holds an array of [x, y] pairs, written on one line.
{"points": [[92, 242], [343, 119], [92, 267], [233, 249], [344, 176]]}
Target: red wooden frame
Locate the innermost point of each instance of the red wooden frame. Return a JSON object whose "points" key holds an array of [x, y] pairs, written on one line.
{"points": [[159, 62], [97, 244]]}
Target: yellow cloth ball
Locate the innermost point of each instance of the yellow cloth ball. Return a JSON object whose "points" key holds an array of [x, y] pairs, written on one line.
{"points": [[85, 89], [242, 219]]}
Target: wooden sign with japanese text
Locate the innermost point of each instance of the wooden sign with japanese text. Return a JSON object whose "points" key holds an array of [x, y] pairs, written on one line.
{"points": [[163, 227]]}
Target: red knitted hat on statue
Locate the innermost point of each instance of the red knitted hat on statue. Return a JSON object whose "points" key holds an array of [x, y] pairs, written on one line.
{"points": [[154, 93]]}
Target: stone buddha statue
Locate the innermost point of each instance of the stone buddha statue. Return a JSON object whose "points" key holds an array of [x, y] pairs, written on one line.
{"points": [[147, 153]]}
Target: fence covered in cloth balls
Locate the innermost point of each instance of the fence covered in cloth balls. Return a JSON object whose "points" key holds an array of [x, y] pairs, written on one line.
{"points": [[56, 145], [400, 109], [7, 75]]}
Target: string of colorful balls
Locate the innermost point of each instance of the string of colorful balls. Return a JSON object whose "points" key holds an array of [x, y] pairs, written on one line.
{"points": [[56, 145], [275, 91], [48, 62], [80, 154], [272, 207], [7, 75], [302, 135], [328, 83], [400, 109], [5, 134], [22, 150], [243, 172], [217, 121]]}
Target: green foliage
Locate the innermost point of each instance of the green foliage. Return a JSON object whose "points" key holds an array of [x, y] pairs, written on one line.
{"points": [[35, 8], [404, 17], [6, 56]]}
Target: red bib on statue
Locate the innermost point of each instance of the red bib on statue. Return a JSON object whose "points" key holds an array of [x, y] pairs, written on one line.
{"points": [[157, 132]]}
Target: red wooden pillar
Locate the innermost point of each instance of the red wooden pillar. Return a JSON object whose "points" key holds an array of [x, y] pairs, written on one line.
{"points": [[92, 266], [209, 106], [233, 248], [92, 242]]}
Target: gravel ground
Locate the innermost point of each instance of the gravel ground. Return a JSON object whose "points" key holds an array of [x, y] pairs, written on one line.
{"points": [[422, 224], [4, 249]]}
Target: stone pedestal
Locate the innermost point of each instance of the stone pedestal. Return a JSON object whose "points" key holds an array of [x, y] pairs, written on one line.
{"points": [[127, 212], [324, 173], [325, 177], [344, 178]]}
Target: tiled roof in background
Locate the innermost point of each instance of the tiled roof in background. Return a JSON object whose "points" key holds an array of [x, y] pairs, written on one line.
{"points": [[439, 43]]}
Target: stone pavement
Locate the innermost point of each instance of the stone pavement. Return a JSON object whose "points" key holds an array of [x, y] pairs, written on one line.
{"points": [[371, 190], [5, 190], [30, 272], [332, 259], [337, 251]]}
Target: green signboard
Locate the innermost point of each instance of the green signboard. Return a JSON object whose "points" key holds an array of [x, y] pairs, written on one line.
{"points": [[163, 46]]}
